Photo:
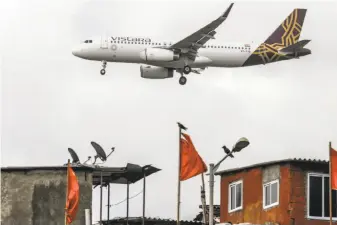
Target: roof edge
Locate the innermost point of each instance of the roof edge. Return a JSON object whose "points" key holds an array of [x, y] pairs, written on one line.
{"points": [[289, 160]]}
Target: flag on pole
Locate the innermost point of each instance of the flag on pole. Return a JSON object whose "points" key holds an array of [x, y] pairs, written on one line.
{"points": [[73, 198], [191, 164], [333, 172]]}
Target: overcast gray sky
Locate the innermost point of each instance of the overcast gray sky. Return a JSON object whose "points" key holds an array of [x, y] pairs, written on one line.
{"points": [[52, 100]]}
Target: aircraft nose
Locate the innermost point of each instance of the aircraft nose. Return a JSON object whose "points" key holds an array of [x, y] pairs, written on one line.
{"points": [[76, 51]]}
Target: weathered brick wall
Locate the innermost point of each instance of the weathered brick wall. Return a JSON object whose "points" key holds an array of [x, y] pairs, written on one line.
{"points": [[292, 208], [253, 211], [38, 197], [298, 203]]}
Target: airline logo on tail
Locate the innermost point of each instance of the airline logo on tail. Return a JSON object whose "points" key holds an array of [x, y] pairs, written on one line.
{"points": [[287, 34]]}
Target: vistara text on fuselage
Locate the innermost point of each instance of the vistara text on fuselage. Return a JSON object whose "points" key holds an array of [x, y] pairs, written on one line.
{"points": [[197, 51]]}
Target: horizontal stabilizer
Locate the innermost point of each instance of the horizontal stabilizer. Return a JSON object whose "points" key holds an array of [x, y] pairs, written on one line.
{"points": [[294, 47]]}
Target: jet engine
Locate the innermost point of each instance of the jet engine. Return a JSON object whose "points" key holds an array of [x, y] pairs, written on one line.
{"points": [[159, 55], [154, 72]]}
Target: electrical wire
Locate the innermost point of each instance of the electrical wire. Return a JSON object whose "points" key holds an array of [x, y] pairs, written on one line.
{"points": [[127, 198]]}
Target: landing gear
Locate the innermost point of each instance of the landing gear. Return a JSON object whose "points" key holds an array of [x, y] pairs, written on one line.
{"points": [[182, 80], [187, 69], [104, 66]]}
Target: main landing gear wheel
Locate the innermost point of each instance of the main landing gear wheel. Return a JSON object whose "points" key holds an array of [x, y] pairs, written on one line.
{"points": [[187, 69], [182, 80], [104, 66]]}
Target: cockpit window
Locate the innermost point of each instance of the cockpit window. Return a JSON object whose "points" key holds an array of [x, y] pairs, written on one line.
{"points": [[88, 41]]}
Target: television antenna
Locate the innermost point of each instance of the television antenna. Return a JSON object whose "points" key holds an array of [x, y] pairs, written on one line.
{"points": [[100, 152]]}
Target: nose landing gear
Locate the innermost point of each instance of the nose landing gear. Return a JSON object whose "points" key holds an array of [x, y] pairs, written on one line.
{"points": [[104, 66]]}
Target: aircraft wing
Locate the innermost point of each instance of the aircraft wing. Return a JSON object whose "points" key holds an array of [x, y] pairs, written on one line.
{"points": [[191, 44]]}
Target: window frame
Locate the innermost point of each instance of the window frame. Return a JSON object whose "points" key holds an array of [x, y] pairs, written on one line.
{"points": [[264, 194], [322, 175], [230, 196]]}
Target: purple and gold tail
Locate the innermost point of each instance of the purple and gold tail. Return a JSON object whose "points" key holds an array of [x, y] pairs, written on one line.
{"points": [[287, 34]]}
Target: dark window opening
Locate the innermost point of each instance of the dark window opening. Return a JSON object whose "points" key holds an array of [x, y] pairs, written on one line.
{"points": [[318, 188]]}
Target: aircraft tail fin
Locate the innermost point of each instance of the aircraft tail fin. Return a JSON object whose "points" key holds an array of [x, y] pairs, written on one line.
{"points": [[288, 33], [283, 43]]}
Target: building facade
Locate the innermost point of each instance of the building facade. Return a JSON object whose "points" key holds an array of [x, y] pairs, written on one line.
{"points": [[37, 195], [292, 191]]}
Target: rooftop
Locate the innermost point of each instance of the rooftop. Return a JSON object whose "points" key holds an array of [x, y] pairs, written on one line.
{"points": [[131, 173], [152, 220], [282, 161]]}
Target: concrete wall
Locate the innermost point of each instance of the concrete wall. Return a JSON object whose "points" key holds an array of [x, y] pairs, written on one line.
{"points": [[38, 197]]}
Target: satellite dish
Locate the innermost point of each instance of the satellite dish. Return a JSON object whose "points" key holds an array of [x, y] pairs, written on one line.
{"points": [[74, 156], [99, 150]]}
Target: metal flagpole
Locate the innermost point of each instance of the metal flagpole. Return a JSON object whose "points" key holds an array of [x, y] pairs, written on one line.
{"points": [[144, 187], [101, 199], [65, 211], [179, 167], [108, 202], [211, 193], [330, 178], [203, 199], [127, 203], [179, 161]]}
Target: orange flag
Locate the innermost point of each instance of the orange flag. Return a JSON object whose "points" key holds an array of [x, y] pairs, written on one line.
{"points": [[72, 196], [333, 173], [191, 163]]}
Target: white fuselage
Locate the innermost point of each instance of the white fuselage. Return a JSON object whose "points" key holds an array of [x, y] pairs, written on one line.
{"points": [[211, 55]]}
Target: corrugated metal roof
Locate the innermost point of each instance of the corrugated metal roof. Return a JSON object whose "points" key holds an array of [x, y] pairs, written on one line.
{"points": [[30, 168], [132, 173], [148, 219], [289, 160]]}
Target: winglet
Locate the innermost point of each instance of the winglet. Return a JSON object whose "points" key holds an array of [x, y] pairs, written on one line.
{"points": [[228, 10]]}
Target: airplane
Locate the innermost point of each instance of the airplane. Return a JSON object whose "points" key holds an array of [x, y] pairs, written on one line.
{"points": [[195, 53]]}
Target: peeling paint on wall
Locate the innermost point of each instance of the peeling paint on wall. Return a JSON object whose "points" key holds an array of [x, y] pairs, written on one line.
{"points": [[38, 197], [292, 207]]}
